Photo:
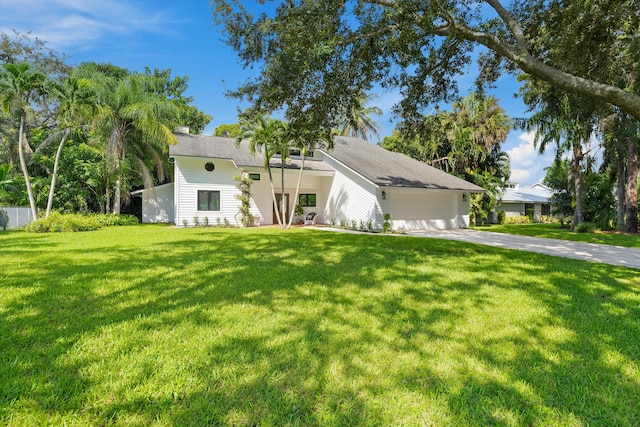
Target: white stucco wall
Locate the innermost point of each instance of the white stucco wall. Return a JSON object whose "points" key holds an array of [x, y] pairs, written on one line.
{"points": [[157, 204]]}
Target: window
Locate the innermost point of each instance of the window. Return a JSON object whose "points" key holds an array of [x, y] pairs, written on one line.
{"points": [[296, 152], [307, 200], [208, 200], [254, 176]]}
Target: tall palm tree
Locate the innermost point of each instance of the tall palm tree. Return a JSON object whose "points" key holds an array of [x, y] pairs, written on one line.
{"points": [[77, 103], [566, 121], [269, 136], [19, 86], [136, 124], [357, 121]]}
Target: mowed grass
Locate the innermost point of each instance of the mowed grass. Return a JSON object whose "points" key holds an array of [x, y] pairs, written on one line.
{"points": [[158, 326], [555, 231]]}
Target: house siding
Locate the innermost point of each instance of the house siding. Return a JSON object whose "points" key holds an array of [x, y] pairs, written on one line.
{"points": [[191, 176], [351, 198]]}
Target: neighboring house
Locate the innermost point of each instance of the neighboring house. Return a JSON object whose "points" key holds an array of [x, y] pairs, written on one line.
{"points": [[357, 182], [518, 200]]}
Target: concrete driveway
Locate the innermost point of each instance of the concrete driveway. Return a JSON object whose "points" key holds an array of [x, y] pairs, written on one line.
{"points": [[614, 255]]}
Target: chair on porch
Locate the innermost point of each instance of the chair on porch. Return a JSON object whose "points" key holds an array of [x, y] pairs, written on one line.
{"points": [[310, 218]]}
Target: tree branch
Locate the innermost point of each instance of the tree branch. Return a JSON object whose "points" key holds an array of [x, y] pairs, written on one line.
{"points": [[512, 24]]}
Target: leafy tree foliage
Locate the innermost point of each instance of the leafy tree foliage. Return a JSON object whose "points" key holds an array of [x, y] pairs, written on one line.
{"points": [[5, 181], [317, 56], [173, 89], [227, 130], [48, 107], [567, 121], [599, 207], [136, 124]]}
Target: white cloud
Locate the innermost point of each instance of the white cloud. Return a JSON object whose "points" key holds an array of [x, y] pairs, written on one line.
{"points": [[527, 166], [78, 25]]}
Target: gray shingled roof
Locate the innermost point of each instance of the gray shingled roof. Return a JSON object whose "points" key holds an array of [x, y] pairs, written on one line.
{"points": [[215, 147], [380, 166], [388, 169], [225, 148]]}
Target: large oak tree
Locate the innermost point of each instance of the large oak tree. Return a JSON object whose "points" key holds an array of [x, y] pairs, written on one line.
{"points": [[317, 55]]}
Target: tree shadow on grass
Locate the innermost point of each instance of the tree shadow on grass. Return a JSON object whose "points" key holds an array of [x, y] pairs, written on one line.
{"points": [[243, 327]]}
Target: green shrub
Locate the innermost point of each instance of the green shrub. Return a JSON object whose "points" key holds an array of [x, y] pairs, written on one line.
{"points": [[530, 213], [518, 219], [549, 219], [110, 220], [386, 225], [586, 227], [502, 216], [57, 222]]}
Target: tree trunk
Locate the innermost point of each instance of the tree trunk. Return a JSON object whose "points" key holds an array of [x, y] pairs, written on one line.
{"points": [[295, 198], [576, 174], [55, 173], [632, 187], [273, 196], [107, 198], [23, 166], [116, 196], [283, 209], [620, 197]]}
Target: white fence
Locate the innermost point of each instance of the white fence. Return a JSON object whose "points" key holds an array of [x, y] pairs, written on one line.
{"points": [[19, 216]]}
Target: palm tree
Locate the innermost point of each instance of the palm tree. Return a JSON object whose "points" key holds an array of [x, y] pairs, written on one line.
{"points": [[269, 136], [567, 121], [136, 125], [76, 106], [19, 86], [357, 121]]}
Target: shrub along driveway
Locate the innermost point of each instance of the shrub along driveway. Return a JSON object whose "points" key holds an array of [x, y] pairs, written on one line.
{"points": [[607, 254]]}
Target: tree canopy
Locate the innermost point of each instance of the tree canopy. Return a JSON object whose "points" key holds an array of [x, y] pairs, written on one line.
{"points": [[318, 55]]}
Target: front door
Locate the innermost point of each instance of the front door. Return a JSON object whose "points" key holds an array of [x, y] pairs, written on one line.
{"points": [[286, 206]]}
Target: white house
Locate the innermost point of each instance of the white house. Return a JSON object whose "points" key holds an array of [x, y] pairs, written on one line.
{"points": [[518, 200], [355, 181]]}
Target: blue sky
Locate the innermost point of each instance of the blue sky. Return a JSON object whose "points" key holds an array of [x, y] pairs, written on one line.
{"points": [[179, 35]]}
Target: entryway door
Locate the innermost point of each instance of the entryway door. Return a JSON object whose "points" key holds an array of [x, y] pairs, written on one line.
{"points": [[286, 204]]}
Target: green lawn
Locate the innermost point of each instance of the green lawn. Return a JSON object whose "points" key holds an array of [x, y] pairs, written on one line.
{"points": [[159, 326], [555, 231]]}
